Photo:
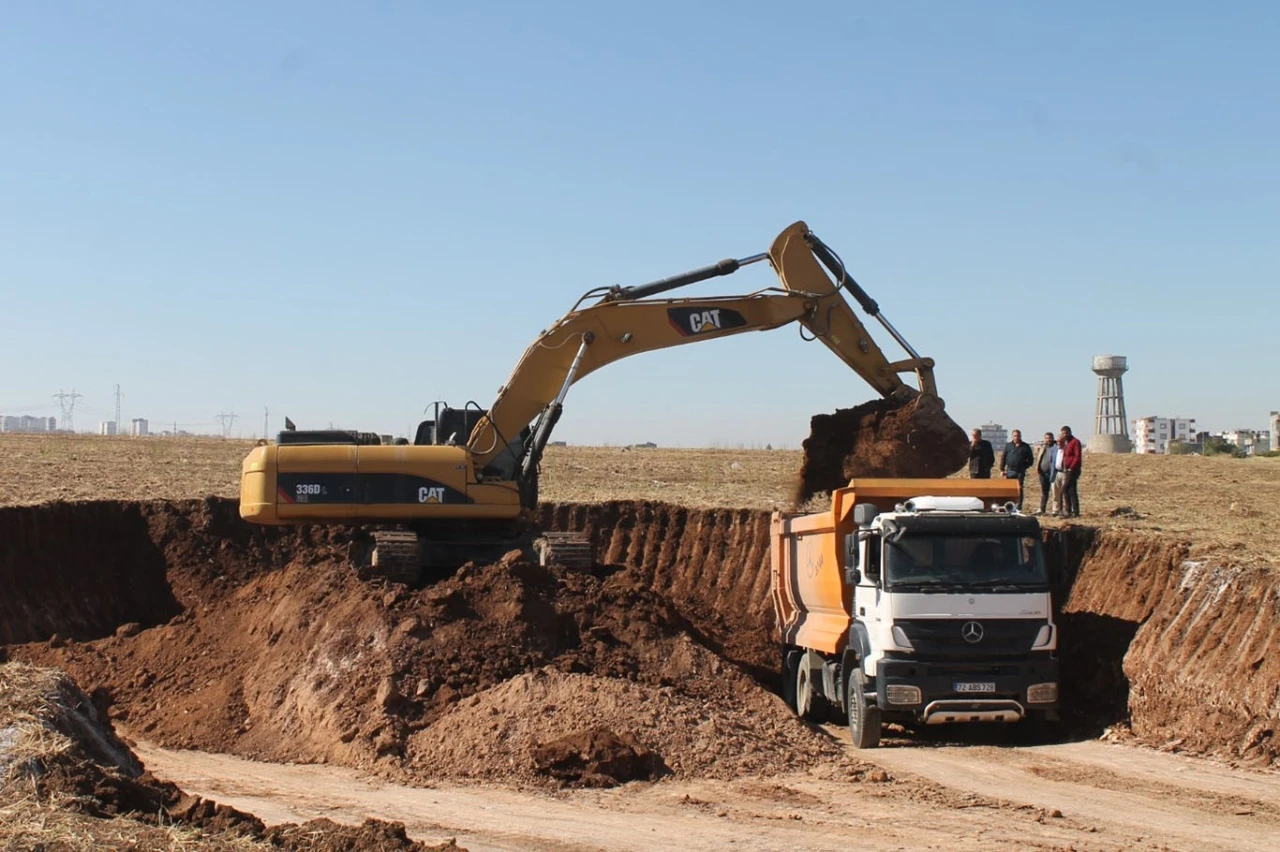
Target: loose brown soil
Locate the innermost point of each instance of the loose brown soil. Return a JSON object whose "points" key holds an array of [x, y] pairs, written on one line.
{"points": [[880, 439], [273, 649], [280, 652]]}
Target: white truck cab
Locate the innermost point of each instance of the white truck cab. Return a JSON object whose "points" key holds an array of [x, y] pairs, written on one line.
{"points": [[953, 610]]}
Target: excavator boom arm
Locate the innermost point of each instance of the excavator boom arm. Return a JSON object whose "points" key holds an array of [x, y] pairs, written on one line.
{"points": [[623, 323]]}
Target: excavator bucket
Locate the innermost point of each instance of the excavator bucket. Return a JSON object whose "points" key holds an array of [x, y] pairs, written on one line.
{"points": [[880, 439]]}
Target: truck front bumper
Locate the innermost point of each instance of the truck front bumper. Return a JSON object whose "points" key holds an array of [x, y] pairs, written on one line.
{"points": [[941, 692]]}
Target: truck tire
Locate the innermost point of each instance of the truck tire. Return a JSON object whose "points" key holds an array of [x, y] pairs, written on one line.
{"points": [[1038, 728], [790, 659], [811, 704], [864, 718]]}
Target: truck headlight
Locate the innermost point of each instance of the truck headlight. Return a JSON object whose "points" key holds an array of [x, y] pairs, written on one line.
{"points": [[1044, 637], [1042, 693], [898, 693], [900, 638]]}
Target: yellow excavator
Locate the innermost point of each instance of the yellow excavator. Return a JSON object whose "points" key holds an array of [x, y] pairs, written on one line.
{"points": [[466, 487]]}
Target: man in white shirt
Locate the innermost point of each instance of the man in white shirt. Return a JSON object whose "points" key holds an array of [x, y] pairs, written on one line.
{"points": [[1046, 465]]}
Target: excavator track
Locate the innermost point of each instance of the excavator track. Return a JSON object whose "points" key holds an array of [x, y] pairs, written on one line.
{"points": [[570, 550], [395, 556]]}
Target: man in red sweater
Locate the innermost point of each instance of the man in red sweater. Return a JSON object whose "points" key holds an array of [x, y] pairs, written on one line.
{"points": [[1069, 458]]}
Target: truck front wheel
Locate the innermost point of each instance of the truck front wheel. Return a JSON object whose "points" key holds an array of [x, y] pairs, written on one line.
{"points": [[864, 718]]}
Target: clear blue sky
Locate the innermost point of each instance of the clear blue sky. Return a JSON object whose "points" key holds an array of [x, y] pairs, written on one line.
{"points": [[345, 211]]}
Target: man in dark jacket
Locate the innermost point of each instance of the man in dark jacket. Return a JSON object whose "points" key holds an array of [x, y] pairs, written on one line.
{"points": [[981, 457], [1069, 463], [1015, 460]]}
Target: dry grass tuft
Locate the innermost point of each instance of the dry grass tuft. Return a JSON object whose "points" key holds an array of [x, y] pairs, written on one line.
{"points": [[27, 738], [31, 699], [29, 823]]}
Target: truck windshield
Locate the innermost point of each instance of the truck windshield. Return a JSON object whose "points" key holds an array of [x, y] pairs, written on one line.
{"points": [[947, 562]]}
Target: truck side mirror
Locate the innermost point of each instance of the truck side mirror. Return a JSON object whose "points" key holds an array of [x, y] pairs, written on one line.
{"points": [[852, 576]]}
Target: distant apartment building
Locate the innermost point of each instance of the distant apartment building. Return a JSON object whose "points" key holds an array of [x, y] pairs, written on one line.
{"points": [[1153, 434], [1275, 430], [1249, 440], [996, 434], [138, 427], [107, 427], [26, 423]]}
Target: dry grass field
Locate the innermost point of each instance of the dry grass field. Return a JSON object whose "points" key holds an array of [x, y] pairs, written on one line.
{"points": [[1225, 505]]}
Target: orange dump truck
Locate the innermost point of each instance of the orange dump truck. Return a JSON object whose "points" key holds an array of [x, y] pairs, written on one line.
{"points": [[920, 601]]}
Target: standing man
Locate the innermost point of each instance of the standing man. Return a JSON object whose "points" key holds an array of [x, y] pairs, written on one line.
{"points": [[1069, 459], [1046, 464], [1015, 460], [981, 457]]}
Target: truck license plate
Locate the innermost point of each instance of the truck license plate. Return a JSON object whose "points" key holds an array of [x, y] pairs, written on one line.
{"points": [[975, 687]]}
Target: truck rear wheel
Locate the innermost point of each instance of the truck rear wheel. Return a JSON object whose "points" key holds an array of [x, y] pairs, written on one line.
{"points": [[810, 704], [864, 718], [790, 660]]}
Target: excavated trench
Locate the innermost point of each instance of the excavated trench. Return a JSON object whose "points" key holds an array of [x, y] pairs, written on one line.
{"points": [[195, 630]]}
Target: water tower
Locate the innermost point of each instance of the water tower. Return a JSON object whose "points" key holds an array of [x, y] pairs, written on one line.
{"points": [[1111, 426]]}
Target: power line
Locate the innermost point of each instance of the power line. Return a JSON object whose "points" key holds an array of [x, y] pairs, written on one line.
{"points": [[226, 421], [67, 402]]}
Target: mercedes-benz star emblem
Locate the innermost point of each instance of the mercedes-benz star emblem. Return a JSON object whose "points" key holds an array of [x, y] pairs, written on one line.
{"points": [[971, 632]]}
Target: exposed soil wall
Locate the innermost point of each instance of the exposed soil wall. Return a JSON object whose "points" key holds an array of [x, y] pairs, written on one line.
{"points": [[96, 568], [712, 564], [1191, 651], [201, 631]]}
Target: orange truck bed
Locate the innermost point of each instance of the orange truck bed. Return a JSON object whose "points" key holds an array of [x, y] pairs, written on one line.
{"points": [[810, 591]]}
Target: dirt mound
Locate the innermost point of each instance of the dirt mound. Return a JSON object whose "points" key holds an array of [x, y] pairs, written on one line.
{"points": [[281, 652], [597, 758], [740, 730], [310, 664], [322, 835], [880, 439]]}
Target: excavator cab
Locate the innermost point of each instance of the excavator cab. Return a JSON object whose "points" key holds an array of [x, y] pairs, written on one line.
{"points": [[311, 437], [448, 426]]}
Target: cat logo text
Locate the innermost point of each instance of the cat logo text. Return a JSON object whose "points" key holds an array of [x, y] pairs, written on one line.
{"points": [[691, 321]]}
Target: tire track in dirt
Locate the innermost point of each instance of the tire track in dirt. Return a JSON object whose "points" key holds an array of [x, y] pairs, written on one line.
{"points": [[1187, 803], [790, 813]]}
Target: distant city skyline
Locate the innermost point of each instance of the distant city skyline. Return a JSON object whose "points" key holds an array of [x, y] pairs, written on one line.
{"points": [[1267, 423]]}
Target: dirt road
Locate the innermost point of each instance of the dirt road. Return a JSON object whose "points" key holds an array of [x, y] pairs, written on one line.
{"points": [[1082, 796]]}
